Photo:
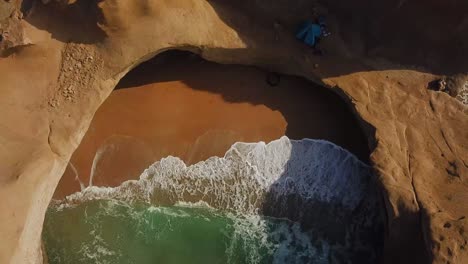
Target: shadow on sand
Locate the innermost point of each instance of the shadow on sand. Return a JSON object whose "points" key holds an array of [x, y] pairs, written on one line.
{"points": [[311, 111]]}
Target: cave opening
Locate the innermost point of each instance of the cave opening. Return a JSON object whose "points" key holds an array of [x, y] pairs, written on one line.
{"points": [[178, 104]]}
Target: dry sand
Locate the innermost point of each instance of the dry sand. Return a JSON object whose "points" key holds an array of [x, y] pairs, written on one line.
{"points": [[180, 105]]}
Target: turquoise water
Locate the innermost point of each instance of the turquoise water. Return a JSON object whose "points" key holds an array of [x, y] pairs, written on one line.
{"points": [[105, 231], [232, 209]]}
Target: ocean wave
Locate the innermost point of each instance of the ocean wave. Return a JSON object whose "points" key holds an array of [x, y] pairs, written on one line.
{"points": [[324, 191], [118, 232], [314, 170]]}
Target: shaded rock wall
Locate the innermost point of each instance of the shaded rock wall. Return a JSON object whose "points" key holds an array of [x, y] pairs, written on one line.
{"points": [[430, 33], [419, 137]]}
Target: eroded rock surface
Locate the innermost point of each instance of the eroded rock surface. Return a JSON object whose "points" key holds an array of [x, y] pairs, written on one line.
{"points": [[78, 50]]}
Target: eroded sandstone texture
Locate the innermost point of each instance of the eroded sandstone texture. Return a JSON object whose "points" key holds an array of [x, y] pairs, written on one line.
{"points": [[60, 60]]}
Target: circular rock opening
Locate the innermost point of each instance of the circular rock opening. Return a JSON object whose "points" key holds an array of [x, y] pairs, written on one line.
{"points": [[163, 174]]}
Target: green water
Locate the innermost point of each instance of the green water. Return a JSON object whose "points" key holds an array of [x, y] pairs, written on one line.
{"points": [[106, 231]]}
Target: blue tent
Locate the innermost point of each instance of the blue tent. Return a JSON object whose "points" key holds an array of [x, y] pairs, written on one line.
{"points": [[309, 32]]}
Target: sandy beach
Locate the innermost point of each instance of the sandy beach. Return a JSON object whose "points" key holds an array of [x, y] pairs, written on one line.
{"points": [[178, 104]]}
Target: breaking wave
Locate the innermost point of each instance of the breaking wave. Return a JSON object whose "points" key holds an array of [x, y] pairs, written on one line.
{"points": [[326, 194]]}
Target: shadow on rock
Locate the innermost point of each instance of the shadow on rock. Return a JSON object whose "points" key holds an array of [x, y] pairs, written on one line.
{"points": [[76, 22]]}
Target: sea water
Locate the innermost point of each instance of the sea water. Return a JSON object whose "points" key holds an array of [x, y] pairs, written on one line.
{"points": [[289, 201]]}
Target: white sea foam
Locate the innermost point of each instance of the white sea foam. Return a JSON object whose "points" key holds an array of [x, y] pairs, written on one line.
{"points": [[251, 238], [314, 182], [284, 241], [311, 169]]}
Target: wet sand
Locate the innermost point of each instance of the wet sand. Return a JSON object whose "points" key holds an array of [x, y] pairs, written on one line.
{"points": [[178, 104]]}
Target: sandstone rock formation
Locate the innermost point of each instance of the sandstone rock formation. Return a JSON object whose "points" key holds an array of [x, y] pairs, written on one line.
{"points": [[64, 58]]}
